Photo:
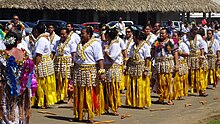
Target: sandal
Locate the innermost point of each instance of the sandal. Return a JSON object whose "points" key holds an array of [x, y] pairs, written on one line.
{"points": [[90, 121], [158, 102], [203, 94]]}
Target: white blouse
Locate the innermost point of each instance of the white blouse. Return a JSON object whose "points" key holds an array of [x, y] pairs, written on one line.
{"points": [[200, 42], [68, 50], [184, 48], [143, 53], [215, 46], [115, 54], [93, 53], [42, 46]]}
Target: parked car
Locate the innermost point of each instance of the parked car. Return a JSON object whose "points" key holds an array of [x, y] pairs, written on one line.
{"points": [[57, 23], [95, 25], [112, 24], [176, 24], [78, 28], [31, 24], [137, 27], [28, 29]]}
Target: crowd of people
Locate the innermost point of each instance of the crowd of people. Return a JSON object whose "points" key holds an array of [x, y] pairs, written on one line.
{"points": [[45, 68]]}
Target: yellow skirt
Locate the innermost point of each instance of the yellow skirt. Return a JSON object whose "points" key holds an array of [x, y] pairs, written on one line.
{"points": [[62, 86], [165, 87], [177, 86], [112, 95], [46, 91], [202, 84], [138, 92], [195, 79], [88, 99], [123, 79], [217, 73], [185, 82], [211, 76], [100, 99]]}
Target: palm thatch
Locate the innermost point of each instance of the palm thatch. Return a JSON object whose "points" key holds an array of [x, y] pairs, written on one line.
{"points": [[117, 5]]}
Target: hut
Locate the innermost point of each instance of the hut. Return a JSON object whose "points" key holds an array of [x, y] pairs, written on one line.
{"points": [[79, 11]]}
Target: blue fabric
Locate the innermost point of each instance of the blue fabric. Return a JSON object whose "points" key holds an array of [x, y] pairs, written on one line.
{"points": [[12, 75]]}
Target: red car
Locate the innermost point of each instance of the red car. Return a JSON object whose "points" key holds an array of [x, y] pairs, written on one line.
{"points": [[95, 25]]}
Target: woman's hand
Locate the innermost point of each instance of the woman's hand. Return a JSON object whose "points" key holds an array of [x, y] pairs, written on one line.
{"points": [[102, 77]]}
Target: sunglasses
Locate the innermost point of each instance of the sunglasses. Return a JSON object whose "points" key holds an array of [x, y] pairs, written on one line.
{"points": [[15, 18]]}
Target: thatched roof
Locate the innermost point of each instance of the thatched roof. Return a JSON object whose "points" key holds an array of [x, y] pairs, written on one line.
{"points": [[116, 5]]}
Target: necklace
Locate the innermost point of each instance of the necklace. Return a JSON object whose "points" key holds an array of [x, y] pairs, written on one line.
{"points": [[61, 47], [81, 48], [136, 50], [52, 36]]}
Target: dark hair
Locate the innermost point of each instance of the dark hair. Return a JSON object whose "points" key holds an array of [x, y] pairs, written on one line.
{"points": [[129, 27], [89, 30], [216, 27], [14, 15], [50, 24], [112, 33], [139, 35], [211, 31], [67, 31], [146, 26], [40, 28], [178, 33], [9, 35], [201, 32], [101, 25], [166, 29], [69, 23], [194, 28]]}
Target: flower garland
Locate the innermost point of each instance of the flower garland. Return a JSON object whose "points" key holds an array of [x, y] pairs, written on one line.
{"points": [[168, 46], [27, 78], [19, 80], [9, 41]]}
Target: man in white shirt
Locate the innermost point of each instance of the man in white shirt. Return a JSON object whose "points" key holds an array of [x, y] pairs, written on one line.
{"points": [[121, 27], [52, 35], [74, 36]]}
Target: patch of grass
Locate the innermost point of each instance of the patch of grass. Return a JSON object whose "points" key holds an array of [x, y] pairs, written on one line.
{"points": [[217, 121]]}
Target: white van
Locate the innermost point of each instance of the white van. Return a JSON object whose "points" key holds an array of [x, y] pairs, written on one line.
{"points": [[177, 24], [112, 24]]}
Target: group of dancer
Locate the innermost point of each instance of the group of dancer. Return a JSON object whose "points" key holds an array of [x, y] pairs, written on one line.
{"points": [[91, 71]]}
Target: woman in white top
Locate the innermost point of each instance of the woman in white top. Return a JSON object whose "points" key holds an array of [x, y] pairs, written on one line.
{"points": [[138, 88], [213, 58], [45, 70], [88, 61], [196, 61], [181, 79], [113, 61], [64, 51]]}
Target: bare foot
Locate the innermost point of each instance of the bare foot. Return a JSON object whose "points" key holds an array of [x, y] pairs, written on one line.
{"points": [[170, 103], [116, 114]]}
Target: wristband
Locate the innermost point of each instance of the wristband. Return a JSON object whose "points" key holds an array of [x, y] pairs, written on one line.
{"points": [[101, 71]]}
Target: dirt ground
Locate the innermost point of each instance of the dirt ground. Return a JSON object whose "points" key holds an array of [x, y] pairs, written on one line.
{"points": [[187, 111]]}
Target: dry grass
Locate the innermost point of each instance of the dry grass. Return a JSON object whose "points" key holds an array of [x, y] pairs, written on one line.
{"points": [[117, 5]]}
